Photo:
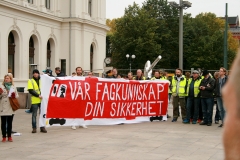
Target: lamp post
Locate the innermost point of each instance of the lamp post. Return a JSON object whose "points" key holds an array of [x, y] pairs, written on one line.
{"points": [[182, 5], [130, 57]]}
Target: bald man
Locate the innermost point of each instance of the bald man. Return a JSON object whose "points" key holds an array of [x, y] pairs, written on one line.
{"points": [[231, 93]]}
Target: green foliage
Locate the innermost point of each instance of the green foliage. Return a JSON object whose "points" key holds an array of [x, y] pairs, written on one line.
{"points": [[153, 30]]}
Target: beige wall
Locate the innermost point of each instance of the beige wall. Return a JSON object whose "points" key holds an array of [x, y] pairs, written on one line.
{"points": [[25, 20]]}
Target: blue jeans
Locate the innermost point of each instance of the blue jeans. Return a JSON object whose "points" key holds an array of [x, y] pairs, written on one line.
{"points": [[217, 116], [34, 108], [207, 109], [193, 102], [221, 108]]}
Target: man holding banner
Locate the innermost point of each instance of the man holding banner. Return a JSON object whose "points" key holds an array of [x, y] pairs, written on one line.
{"points": [[34, 86]]}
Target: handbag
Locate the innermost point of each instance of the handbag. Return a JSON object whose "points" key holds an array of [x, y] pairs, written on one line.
{"points": [[14, 103]]}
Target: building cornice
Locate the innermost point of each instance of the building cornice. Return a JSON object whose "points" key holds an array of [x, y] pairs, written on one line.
{"points": [[52, 17], [30, 11]]}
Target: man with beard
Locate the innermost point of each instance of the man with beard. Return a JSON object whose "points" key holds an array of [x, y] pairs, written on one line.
{"points": [[179, 86]]}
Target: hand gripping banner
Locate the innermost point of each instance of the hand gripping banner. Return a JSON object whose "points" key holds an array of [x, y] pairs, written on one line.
{"points": [[90, 98]]}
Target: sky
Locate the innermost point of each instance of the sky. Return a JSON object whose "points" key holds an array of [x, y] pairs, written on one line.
{"points": [[115, 8]]}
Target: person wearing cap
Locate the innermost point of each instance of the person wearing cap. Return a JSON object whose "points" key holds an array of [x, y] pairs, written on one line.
{"points": [[206, 93], [34, 86], [193, 99]]}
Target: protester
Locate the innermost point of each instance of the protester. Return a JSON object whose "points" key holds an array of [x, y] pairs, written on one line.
{"points": [[230, 93], [74, 74], [79, 72], [113, 73], [193, 99], [217, 116], [90, 74], [130, 76], [34, 87], [139, 75], [6, 111], [58, 72], [220, 82], [179, 84], [206, 93]]}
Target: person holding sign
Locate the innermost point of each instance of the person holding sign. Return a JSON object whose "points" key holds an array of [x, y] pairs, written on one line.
{"points": [[7, 90], [139, 75], [34, 86]]}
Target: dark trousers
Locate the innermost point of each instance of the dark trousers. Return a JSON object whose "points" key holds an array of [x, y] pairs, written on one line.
{"points": [[200, 115], [6, 123], [217, 115], [193, 105], [207, 109], [176, 101]]}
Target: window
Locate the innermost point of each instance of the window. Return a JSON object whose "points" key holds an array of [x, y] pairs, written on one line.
{"points": [[11, 52], [48, 54], [47, 4], [31, 51], [90, 7], [30, 1]]}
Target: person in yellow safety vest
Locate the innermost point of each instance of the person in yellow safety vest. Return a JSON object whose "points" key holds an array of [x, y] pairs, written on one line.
{"points": [[193, 99], [34, 86], [139, 75], [179, 86]]}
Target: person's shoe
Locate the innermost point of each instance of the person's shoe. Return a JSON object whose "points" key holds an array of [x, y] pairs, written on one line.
{"points": [[174, 120], [73, 127], [209, 124], [43, 130], [203, 123], [84, 126], [194, 122], [10, 139], [199, 121], [221, 125], [28, 111], [34, 130], [216, 122], [186, 121], [4, 139], [168, 116], [13, 132]]}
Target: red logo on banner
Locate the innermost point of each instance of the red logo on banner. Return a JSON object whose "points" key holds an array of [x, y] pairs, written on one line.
{"points": [[92, 98]]}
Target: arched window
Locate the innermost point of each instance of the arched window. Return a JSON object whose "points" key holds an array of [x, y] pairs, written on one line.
{"points": [[11, 53], [30, 1], [31, 51], [48, 54], [91, 58], [47, 4], [90, 7]]}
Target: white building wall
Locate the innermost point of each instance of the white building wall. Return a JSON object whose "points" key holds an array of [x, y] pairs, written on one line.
{"points": [[26, 20]]}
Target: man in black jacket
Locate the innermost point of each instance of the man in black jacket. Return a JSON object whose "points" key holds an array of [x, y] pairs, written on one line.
{"points": [[220, 82], [58, 72], [206, 94]]}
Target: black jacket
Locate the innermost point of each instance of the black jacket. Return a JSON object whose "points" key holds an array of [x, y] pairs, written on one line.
{"points": [[217, 86], [209, 85], [61, 74]]}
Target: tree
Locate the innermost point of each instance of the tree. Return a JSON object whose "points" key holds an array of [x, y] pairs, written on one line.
{"points": [[203, 42], [166, 18], [135, 34]]}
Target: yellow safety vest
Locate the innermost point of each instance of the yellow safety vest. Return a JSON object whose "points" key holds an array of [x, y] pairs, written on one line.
{"points": [[161, 78], [142, 78], [196, 86], [32, 84], [181, 90]]}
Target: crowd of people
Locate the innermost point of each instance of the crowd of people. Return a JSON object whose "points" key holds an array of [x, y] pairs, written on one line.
{"points": [[194, 93]]}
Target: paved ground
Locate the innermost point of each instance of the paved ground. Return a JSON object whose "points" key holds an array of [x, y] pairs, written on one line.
{"points": [[145, 141]]}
